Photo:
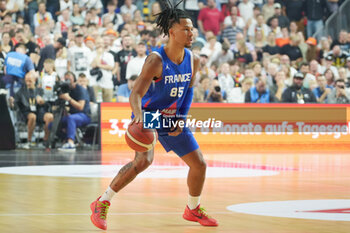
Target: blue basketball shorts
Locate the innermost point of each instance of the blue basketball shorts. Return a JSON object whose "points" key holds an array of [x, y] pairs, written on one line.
{"points": [[181, 144]]}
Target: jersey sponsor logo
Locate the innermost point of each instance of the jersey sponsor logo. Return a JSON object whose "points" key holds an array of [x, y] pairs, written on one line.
{"points": [[177, 78], [329, 209]]}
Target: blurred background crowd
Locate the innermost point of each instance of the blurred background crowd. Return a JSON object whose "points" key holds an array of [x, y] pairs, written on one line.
{"points": [[241, 44], [253, 51]]}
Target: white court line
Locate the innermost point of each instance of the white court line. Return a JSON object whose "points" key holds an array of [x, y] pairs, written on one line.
{"points": [[108, 171], [83, 214]]}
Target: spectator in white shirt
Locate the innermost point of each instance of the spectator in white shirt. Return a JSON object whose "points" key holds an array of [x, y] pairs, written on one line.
{"points": [[63, 23], [48, 80], [79, 57], [128, 8], [246, 10], [88, 4], [115, 18], [237, 94], [66, 4], [275, 28], [42, 16], [134, 66], [103, 61], [268, 10], [213, 47], [61, 62], [15, 6], [225, 79], [225, 55], [259, 25], [228, 19]]}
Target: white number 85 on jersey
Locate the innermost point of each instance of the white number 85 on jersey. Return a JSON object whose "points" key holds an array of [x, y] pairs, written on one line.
{"points": [[177, 92]]}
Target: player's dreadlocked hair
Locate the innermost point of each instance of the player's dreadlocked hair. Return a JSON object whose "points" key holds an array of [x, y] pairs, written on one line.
{"points": [[169, 15]]}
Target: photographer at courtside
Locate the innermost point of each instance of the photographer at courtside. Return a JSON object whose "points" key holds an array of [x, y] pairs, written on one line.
{"points": [[79, 110]]}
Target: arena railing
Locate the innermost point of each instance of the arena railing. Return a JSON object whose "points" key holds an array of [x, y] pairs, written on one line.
{"points": [[339, 20]]}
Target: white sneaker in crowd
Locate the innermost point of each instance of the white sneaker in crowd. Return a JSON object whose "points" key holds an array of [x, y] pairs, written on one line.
{"points": [[67, 147], [26, 146]]}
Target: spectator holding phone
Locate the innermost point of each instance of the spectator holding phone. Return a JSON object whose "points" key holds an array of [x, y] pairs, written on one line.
{"points": [[339, 95]]}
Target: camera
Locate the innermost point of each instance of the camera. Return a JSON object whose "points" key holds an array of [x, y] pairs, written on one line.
{"points": [[96, 72], [61, 88], [58, 109], [217, 88]]}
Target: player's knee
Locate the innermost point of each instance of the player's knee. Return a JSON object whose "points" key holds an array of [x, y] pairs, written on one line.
{"points": [[202, 165], [142, 164]]}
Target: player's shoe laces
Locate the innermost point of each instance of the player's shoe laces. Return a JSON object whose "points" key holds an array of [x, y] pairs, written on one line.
{"points": [[199, 215], [99, 213]]}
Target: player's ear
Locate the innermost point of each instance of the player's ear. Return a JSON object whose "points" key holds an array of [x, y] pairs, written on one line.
{"points": [[171, 31]]}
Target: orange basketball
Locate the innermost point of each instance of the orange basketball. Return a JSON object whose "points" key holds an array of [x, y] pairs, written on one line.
{"points": [[140, 139]]}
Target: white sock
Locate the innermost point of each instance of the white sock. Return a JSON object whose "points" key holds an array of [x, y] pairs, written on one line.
{"points": [[193, 202], [107, 195]]}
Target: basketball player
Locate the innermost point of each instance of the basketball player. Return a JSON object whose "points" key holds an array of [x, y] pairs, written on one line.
{"points": [[157, 89]]}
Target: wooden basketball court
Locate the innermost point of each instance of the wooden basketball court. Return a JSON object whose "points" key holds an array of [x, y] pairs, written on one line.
{"points": [[55, 196]]}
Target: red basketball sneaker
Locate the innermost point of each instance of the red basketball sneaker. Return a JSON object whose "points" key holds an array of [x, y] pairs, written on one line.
{"points": [[99, 213], [199, 215]]}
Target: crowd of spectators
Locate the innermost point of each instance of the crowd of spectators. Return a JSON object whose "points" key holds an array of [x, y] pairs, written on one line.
{"points": [[256, 51]]}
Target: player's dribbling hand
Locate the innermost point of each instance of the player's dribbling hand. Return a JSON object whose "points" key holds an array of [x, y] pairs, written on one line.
{"points": [[137, 119]]}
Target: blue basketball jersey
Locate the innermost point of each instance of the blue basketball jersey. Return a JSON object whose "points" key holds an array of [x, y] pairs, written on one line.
{"points": [[167, 94]]}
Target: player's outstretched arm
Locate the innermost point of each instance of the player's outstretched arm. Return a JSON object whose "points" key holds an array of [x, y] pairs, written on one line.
{"points": [[150, 70]]}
